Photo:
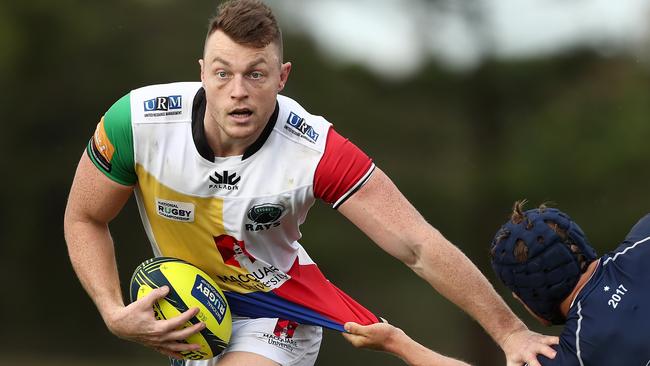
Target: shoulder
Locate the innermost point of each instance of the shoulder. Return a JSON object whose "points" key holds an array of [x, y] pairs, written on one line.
{"points": [[165, 90], [163, 102], [300, 126], [636, 243], [640, 230]]}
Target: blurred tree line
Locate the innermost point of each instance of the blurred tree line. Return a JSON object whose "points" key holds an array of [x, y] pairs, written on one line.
{"points": [[461, 146]]}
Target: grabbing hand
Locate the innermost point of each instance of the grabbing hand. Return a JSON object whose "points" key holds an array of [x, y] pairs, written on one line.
{"points": [[374, 336], [523, 346], [136, 322]]}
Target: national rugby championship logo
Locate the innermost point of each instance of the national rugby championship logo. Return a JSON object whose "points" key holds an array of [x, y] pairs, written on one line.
{"points": [[175, 210], [264, 216]]}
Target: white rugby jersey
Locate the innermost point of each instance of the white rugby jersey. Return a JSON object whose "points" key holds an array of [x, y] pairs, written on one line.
{"points": [[237, 218]]}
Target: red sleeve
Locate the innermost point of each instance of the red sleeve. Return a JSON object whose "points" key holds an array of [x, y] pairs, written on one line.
{"points": [[342, 170]]}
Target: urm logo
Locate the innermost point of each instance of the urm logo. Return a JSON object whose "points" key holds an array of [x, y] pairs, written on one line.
{"points": [[225, 180], [299, 124], [163, 103]]}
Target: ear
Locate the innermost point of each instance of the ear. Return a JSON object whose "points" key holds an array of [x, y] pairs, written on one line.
{"points": [[285, 69], [202, 65]]}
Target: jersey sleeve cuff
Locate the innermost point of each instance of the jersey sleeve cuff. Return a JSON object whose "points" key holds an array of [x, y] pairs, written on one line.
{"points": [[355, 187]]}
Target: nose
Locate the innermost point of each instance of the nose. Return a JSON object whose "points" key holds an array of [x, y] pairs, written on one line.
{"points": [[238, 90]]}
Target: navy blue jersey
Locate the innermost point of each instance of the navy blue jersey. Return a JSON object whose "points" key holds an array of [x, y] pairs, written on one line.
{"points": [[609, 320]]}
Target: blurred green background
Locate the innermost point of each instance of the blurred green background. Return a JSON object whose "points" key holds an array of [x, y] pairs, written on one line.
{"points": [[462, 142]]}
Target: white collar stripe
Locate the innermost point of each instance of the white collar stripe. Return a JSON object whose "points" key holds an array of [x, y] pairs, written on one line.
{"points": [[625, 251]]}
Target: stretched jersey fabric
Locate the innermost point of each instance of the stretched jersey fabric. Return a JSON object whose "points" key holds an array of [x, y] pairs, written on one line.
{"points": [[609, 323], [237, 218]]}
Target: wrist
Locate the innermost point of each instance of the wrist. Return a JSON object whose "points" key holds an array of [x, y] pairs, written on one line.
{"points": [[507, 335], [111, 314], [394, 343]]}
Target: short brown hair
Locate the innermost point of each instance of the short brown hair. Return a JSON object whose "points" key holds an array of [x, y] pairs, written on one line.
{"points": [[247, 22]]}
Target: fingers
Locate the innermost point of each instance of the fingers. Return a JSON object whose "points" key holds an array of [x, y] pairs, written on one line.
{"points": [[155, 295], [177, 322], [356, 340], [181, 334], [534, 362], [543, 347], [352, 327], [179, 347], [551, 340], [355, 334], [547, 351], [167, 353], [524, 346]]}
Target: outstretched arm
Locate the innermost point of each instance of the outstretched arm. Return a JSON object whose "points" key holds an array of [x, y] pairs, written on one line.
{"points": [[383, 213], [387, 338], [93, 202]]}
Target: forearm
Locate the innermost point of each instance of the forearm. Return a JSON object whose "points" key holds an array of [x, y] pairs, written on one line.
{"points": [[91, 252], [452, 274], [415, 354], [93, 202]]}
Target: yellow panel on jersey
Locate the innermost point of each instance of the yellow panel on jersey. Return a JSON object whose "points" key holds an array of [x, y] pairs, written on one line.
{"points": [[186, 227]]}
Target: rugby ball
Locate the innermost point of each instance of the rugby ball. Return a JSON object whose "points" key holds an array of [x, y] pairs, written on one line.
{"points": [[189, 287]]}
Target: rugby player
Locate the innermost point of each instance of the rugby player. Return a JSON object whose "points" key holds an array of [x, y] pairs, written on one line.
{"points": [[546, 260], [225, 171]]}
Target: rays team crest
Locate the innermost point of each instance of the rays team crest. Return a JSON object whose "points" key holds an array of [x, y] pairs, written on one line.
{"points": [[297, 126], [264, 216], [261, 276]]}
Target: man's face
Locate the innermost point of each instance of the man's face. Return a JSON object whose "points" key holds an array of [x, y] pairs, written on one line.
{"points": [[241, 85]]}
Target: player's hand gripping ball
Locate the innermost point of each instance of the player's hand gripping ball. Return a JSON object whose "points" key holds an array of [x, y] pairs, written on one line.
{"points": [[189, 287]]}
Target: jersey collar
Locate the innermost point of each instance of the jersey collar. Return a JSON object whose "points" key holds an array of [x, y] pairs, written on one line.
{"points": [[198, 129]]}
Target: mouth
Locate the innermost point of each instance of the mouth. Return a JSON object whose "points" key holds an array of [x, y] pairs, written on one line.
{"points": [[240, 113]]}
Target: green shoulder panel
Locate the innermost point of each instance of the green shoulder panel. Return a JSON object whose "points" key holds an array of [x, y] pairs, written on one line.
{"points": [[111, 147]]}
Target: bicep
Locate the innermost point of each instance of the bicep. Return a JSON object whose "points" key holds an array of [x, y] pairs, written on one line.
{"points": [[93, 196], [381, 211]]}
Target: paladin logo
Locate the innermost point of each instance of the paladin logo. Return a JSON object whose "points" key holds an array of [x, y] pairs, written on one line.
{"points": [[225, 181], [163, 106], [264, 216]]}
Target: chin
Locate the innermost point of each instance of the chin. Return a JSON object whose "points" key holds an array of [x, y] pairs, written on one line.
{"points": [[242, 132]]}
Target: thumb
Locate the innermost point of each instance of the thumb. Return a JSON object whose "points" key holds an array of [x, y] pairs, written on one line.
{"points": [[351, 327]]}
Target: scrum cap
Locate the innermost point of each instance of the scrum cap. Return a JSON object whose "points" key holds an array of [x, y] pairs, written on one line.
{"points": [[540, 264]]}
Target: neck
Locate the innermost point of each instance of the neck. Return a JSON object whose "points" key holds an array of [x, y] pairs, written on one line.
{"points": [[224, 145], [566, 304]]}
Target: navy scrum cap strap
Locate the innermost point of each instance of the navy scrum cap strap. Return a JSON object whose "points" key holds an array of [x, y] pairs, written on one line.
{"points": [[551, 269]]}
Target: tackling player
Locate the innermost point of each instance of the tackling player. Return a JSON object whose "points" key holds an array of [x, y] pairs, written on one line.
{"points": [[224, 172], [545, 259]]}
